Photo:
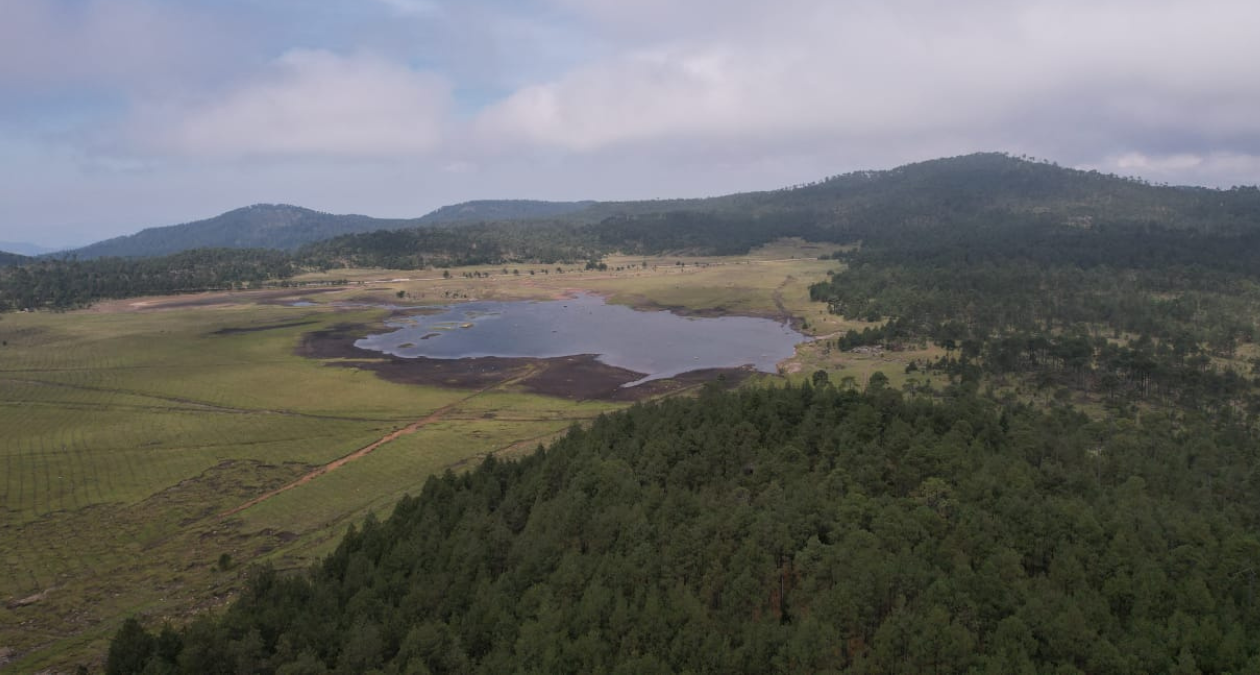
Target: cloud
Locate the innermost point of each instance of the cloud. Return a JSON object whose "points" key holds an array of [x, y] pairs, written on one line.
{"points": [[306, 103], [155, 107], [1051, 77], [411, 7], [1222, 169], [49, 45]]}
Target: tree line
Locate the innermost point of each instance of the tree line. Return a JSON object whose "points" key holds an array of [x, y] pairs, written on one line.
{"points": [[51, 283]]}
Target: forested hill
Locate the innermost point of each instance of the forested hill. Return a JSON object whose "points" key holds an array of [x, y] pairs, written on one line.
{"points": [[26, 249], [501, 209], [933, 225], [7, 259], [274, 226], [962, 202], [785, 530], [943, 190], [987, 182], [937, 193]]}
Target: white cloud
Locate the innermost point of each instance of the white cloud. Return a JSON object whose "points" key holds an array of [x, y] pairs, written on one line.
{"points": [[1049, 77], [307, 103], [127, 44], [411, 7], [1185, 168], [157, 103]]}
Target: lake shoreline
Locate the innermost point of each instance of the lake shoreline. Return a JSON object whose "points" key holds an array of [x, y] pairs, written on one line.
{"points": [[576, 377]]}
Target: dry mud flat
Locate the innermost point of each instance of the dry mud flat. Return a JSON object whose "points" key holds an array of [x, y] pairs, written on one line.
{"points": [[580, 377]]}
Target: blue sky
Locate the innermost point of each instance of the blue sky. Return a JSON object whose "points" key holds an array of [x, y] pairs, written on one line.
{"points": [[117, 115]]}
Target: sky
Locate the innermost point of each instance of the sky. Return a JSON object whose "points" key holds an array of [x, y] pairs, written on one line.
{"points": [[116, 115]]}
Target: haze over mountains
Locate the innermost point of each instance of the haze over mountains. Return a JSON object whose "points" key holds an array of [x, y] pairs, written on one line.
{"points": [[7, 259], [278, 226], [287, 227], [27, 248], [933, 190]]}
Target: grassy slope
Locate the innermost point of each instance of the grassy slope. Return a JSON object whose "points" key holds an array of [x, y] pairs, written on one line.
{"points": [[126, 433]]}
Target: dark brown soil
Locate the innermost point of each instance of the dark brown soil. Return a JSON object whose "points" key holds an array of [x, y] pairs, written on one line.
{"points": [[336, 342], [580, 377]]}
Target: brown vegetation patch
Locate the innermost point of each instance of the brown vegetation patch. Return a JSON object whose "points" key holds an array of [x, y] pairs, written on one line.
{"points": [[336, 342]]}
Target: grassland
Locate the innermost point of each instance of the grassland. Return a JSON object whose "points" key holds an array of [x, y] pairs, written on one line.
{"points": [[131, 433]]}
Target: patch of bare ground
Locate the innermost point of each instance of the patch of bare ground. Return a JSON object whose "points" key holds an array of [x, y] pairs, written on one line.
{"points": [[210, 299]]}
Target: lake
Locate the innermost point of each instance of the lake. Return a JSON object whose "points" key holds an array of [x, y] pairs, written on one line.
{"points": [[657, 344]]}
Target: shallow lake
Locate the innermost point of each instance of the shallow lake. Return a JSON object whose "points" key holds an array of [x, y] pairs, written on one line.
{"points": [[657, 344]]}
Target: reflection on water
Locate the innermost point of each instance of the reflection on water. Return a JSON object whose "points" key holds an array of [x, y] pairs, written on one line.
{"points": [[657, 344]]}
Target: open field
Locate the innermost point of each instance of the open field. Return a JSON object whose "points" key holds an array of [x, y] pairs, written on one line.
{"points": [[137, 437]]}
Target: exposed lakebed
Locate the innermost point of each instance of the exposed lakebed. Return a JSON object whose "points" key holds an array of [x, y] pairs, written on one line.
{"points": [[657, 344]]}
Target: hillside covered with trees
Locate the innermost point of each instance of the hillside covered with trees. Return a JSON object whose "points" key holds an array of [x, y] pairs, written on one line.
{"points": [[785, 530], [70, 283], [957, 219], [491, 210], [9, 259], [1133, 308], [957, 201], [272, 226]]}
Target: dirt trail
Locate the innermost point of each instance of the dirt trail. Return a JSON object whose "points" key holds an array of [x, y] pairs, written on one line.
{"points": [[367, 449], [777, 297]]}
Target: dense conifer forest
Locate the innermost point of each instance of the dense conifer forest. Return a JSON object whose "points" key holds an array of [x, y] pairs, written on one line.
{"points": [[49, 283], [1130, 310], [806, 529]]}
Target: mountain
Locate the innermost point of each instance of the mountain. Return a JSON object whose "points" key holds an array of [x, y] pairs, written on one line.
{"points": [[275, 226], [24, 248], [970, 202], [958, 186], [7, 259], [925, 193], [502, 209], [285, 227]]}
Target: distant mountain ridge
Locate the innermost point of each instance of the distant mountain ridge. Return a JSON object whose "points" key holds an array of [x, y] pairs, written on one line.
{"points": [[502, 209], [979, 209], [7, 259], [288, 227], [273, 226], [966, 184], [919, 194], [28, 249]]}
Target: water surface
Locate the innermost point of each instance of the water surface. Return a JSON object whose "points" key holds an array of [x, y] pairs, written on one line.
{"points": [[657, 344]]}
